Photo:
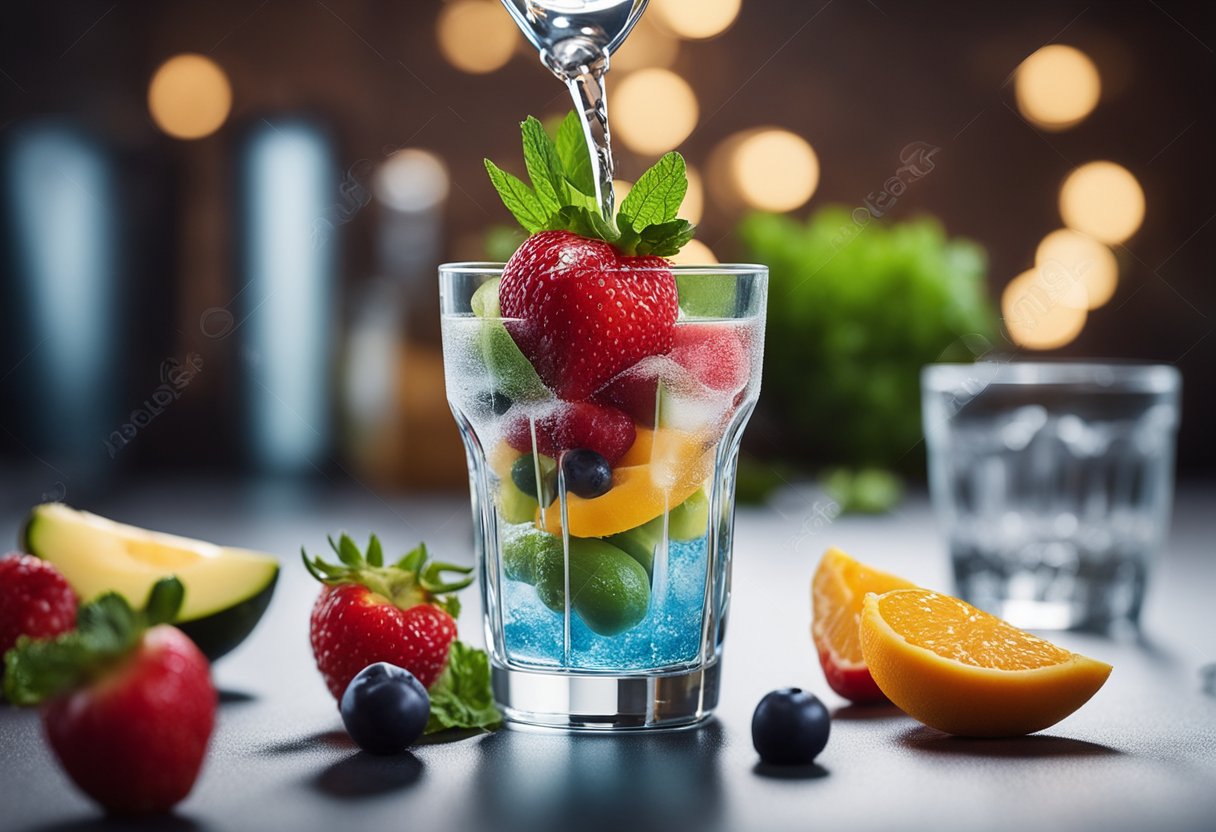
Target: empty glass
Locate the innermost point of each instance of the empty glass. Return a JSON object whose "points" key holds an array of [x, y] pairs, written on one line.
{"points": [[1052, 484]]}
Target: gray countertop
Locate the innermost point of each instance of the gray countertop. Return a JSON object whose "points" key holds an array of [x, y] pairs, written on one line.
{"points": [[1141, 755]]}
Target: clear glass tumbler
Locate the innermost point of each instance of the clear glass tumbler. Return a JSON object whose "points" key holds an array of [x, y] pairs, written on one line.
{"points": [[1053, 484], [606, 612]]}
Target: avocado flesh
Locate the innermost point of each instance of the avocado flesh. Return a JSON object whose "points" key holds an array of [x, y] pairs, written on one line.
{"points": [[687, 521], [227, 589]]}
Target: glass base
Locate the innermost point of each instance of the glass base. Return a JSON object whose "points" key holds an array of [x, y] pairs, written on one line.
{"points": [[606, 703]]}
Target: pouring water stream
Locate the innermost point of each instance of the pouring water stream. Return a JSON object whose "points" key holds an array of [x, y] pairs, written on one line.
{"points": [[575, 39]]}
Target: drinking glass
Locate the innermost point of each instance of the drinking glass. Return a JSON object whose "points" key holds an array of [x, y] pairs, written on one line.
{"points": [[1052, 483], [606, 612]]}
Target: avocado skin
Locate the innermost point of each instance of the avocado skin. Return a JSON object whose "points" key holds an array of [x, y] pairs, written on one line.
{"points": [[216, 634], [219, 633]]}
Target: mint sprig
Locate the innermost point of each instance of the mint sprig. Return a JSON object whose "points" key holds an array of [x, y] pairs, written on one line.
{"points": [[107, 630], [462, 697], [562, 194]]}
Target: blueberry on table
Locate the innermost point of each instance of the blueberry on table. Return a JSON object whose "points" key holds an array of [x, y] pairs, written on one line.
{"points": [[587, 473], [790, 727], [385, 709]]}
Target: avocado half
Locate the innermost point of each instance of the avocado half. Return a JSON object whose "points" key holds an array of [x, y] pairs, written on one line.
{"points": [[227, 590]]}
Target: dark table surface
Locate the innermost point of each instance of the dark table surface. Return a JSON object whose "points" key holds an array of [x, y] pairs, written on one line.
{"points": [[1140, 756]]}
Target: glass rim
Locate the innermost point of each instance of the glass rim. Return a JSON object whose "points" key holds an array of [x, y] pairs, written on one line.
{"points": [[709, 269], [1097, 376]]}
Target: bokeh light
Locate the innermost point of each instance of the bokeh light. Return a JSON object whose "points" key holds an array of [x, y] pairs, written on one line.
{"points": [[1040, 315], [694, 200], [189, 96], [411, 180], [1067, 255], [1057, 87], [694, 253], [621, 189], [774, 170], [476, 36], [695, 19], [1103, 200], [652, 110], [647, 46]]}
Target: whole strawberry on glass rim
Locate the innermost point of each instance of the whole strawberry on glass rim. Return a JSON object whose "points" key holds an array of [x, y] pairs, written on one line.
{"points": [[588, 296], [128, 705]]}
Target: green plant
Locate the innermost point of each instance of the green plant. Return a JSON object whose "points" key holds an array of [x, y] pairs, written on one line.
{"points": [[855, 310]]}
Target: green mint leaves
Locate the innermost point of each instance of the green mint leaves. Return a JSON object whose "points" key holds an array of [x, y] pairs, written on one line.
{"points": [[461, 697], [562, 194], [107, 629]]}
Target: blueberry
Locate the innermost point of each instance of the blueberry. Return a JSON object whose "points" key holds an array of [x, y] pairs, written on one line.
{"points": [[385, 709], [587, 473], [790, 727], [523, 474]]}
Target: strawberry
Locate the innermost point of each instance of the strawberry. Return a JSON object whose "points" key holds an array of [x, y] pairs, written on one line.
{"points": [[129, 704], [35, 600], [583, 311], [715, 355], [597, 427], [588, 296], [368, 612]]}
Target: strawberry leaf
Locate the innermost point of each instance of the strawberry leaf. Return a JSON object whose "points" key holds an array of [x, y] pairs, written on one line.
{"points": [[462, 697], [375, 552], [348, 551], [412, 560], [575, 158], [655, 198], [164, 602], [520, 200], [665, 239], [544, 166]]}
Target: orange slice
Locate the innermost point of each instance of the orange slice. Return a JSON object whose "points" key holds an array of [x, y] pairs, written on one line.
{"points": [[663, 469], [963, 671], [837, 591]]}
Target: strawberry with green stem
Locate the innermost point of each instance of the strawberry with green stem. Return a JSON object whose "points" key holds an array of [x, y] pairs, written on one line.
{"points": [[127, 700], [587, 297], [402, 613]]}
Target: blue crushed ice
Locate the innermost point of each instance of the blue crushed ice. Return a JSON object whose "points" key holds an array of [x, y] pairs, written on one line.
{"points": [[669, 634]]}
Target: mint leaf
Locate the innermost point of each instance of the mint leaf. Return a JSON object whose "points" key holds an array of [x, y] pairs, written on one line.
{"points": [[520, 200], [38, 670], [656, 196], [562, 196], [575, 158], [665, 239], [584, 222], [106, 630], [461, 697], [544, 167]]}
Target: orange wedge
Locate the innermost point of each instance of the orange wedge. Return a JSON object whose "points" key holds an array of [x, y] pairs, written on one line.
{"points": [[963, 671], [663, 469], [837, 591]]}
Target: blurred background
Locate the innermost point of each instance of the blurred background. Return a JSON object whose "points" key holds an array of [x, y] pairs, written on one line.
{"points": [[221, 220]]}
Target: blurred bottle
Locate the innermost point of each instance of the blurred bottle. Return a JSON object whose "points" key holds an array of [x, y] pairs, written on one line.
{"points": [[398, 426], [63, 323]]}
